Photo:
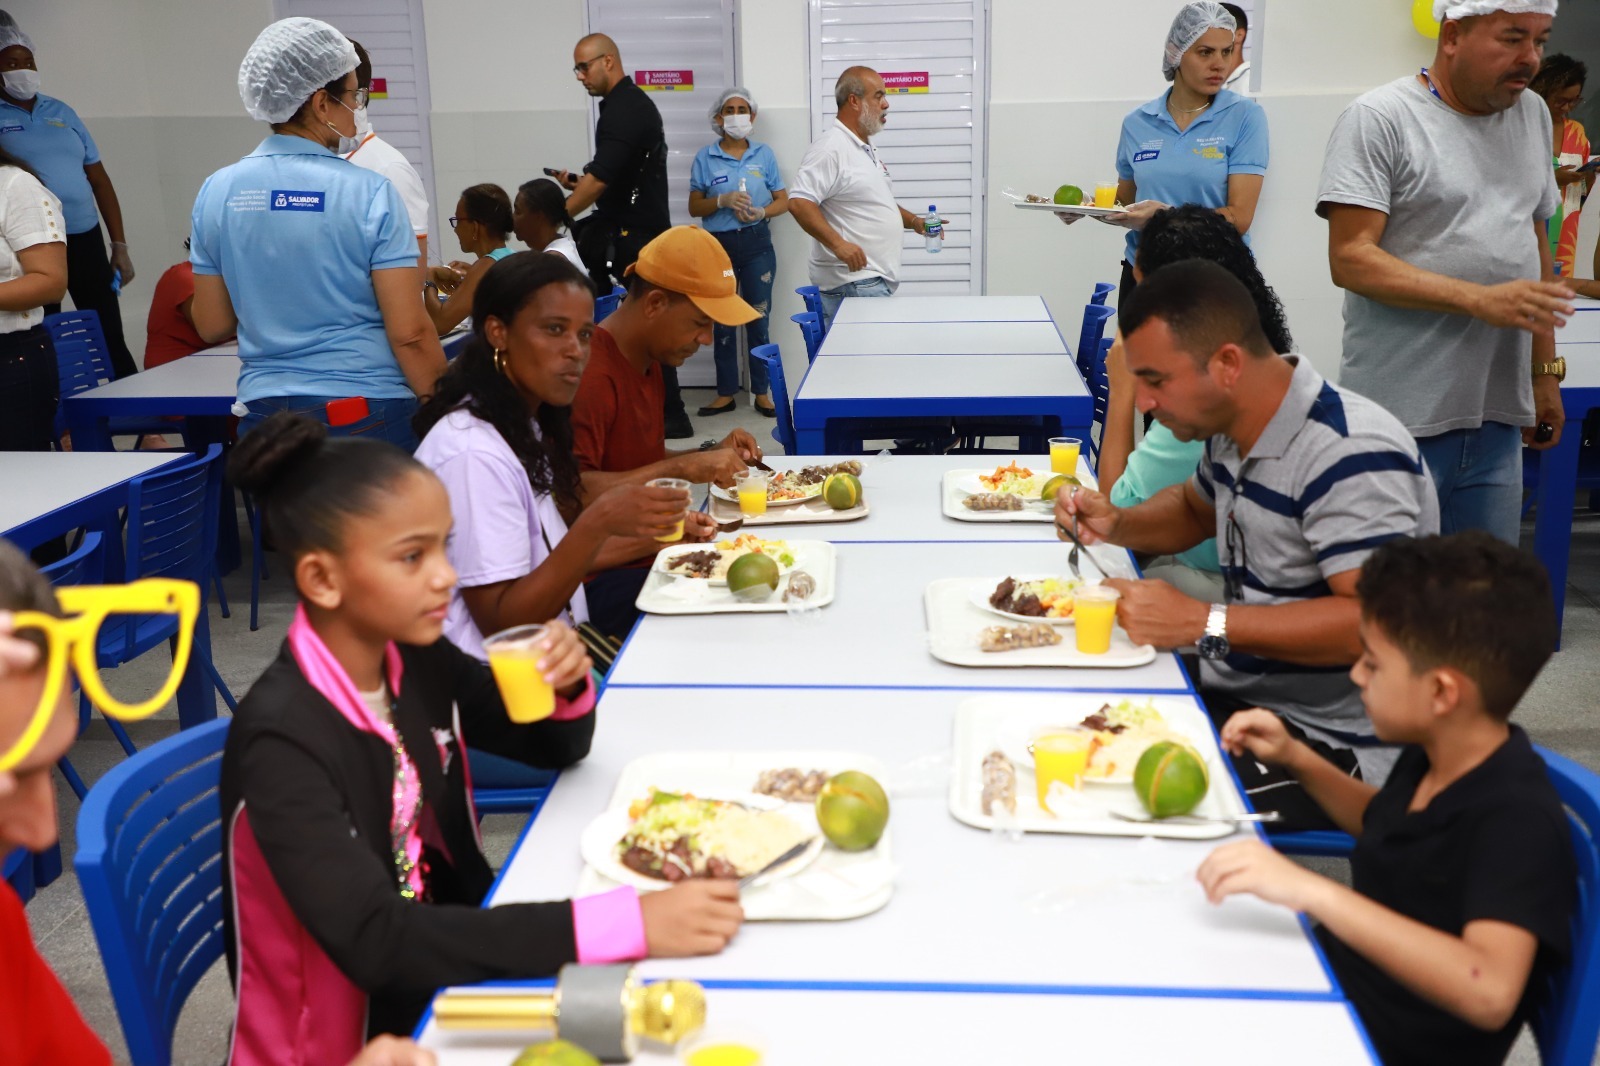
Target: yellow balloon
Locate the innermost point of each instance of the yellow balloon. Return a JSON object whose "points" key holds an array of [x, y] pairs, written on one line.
{"points": [[1422, 18]]}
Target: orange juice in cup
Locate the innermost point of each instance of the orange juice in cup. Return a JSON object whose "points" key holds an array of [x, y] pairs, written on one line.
{"points": [[1105, 194], [514, 659], [1094, 612], [1060, 754], [1064, 455], [676, 532], [751, 487]]}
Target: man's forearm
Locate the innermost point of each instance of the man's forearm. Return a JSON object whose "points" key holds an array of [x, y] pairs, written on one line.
{"points": [[588, 190], [1367, 270], [1163, 525], [811, 219], [1319, 632]]}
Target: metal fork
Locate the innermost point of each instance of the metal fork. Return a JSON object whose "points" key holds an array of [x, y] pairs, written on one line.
{"points": [[1072, 556]]}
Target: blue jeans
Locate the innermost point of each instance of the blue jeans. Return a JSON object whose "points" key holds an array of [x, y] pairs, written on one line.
{"points": [[754, 264], [1478, 473], [388, 420], [831, 298]]}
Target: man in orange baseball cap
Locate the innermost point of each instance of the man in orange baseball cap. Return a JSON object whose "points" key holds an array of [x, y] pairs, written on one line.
{"points": [[681, 284]]}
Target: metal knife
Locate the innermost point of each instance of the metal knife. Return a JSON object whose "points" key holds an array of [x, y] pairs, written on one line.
{"points": [[748, 879]]}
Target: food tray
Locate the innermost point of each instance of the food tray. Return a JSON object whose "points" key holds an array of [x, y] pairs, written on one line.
{"points": [[668, 594], [993, 722], [1086, 210], [954, 623], [836, 886], [812, 510], [959, 484]]}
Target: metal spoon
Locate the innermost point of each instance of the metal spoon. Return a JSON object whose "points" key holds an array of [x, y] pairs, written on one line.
{"points": [[729, 527]]}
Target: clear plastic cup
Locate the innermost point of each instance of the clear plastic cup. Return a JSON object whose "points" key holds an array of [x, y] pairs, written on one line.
{"points": [[1094, 612], [1105, 194], [676, 532], [751, 488], [1060, 753], [514, 657], [1064, 453]]}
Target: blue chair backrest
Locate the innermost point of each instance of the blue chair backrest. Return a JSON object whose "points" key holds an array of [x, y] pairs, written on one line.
{"points": [[784, 434], [812, 295], [1566, 1021], [604, 305], [172, 519], [84, 566], [1102, 289], [810, 323], [1092, 333], [1099, 385], [81, 359], [150, 865]]}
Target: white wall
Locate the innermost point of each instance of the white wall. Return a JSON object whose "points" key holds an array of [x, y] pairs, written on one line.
{"points": [[155, 81]]}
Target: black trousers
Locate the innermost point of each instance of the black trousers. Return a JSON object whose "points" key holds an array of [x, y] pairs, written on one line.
{"points": [[89, 282], [1272, 788], [30, 390]]}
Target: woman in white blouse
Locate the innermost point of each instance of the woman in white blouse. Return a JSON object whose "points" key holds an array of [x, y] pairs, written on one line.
{"points": [[33, 273]]}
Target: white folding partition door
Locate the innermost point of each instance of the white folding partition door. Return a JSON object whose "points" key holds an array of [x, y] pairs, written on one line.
{"points": [[681, 52], [934, 55], [392, 33]]}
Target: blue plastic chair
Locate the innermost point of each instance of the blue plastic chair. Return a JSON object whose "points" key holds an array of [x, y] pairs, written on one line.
{"points": [[505, 786], [1093, 331], [84, 566], [1566, 1021], [18, 872], [812, 295], [83, 362], [784, 434], [1102, 289], [1328, 843], [150, 865], [1099, 382], [810, 323], [606, 304], [172, 532]]}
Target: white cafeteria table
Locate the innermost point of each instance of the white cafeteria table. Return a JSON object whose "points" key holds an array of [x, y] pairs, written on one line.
{"points": [[943, 339], [45, 494], [942, 309]]}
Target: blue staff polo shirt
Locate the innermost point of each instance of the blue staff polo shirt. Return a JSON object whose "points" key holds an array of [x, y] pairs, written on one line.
{"points": [[715, 172], [1192, 166], [295, 232], [54, 142]]}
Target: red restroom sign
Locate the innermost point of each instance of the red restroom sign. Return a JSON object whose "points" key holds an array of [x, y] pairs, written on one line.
{"points": [[912, 82], [657, 81]]}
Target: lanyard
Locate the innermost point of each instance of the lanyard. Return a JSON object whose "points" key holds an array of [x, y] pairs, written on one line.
{"points": [[1431, 87]]}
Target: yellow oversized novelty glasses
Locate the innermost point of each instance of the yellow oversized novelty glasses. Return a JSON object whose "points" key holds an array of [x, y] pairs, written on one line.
{"points": [[76, 638]]}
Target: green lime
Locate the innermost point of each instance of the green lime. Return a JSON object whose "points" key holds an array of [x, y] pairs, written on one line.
{"points": [[753, 576], [842, 491], [853, 811], [1170, 779], [1069, 196]]}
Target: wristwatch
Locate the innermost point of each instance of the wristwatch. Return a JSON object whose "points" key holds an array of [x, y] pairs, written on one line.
{"points": [[1214, 644], [1557, 369], [707, 445]]}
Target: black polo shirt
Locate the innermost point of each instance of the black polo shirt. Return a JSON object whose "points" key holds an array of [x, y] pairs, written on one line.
{"points": [[630, 156], [1494, 845]]}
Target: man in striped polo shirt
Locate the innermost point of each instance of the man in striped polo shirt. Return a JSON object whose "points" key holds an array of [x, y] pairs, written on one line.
{"points": [[1299, 483]]}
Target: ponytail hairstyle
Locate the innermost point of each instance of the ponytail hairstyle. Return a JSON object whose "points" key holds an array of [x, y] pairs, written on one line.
{"points": [[309, 484], [489, 206], [1194, 232], [475, 385], [544, 197]]}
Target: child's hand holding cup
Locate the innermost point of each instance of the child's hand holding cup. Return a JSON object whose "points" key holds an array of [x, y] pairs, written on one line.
{"points": [[531, 663]]}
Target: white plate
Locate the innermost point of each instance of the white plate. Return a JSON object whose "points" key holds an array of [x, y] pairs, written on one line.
{"points": [[954, 624], [1014, 740], [666, 594], [980, 593], [983, 723], [1085, 210], [729, 496], [957, 485], [837, 886], [666, 555], [598, 844]]}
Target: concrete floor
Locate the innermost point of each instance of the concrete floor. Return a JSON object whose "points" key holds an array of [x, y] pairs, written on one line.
{"points": [[1559, 712]]}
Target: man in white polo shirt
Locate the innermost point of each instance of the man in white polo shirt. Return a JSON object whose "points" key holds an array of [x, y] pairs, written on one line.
{"points": [[843, 197]]}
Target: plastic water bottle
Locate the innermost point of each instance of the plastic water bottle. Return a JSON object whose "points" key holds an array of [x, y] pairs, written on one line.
{"points": [[933, 227]]}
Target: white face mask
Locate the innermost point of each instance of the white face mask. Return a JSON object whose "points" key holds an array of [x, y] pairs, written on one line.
{"points": [[347, 145], [22, 84], [363, 124], [737, 126]]}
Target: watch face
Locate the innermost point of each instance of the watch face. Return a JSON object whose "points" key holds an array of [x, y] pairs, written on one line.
{"points": [[1212, 647]]}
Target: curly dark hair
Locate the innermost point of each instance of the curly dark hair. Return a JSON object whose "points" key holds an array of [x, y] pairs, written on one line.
{"points": [[1195, 232], [473, 384], [1558, 72]]}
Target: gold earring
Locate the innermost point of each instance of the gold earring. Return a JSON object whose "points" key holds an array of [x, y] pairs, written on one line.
{"points": [[499, 361]]}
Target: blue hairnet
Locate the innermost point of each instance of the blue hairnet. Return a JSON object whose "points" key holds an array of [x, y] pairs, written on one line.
{"points": [[1190, 25]]}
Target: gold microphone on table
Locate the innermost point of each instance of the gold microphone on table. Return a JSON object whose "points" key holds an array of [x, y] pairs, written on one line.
{"points": [[603, 1009]]}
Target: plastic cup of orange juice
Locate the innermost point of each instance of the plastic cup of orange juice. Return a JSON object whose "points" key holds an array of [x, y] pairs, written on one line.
{"points": [[514, 659], [676, 532], [751, 487], [722, 1049], [1094, 612], [1105, 194], [1064, 455], [1060, 753]]}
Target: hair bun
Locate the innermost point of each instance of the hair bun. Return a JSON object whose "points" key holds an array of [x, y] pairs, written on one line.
{"points": [[265, 454]]}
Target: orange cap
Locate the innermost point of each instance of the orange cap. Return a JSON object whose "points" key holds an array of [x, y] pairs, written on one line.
{"points": [[689, 260]]}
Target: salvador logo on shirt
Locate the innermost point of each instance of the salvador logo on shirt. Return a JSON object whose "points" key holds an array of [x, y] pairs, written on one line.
{"points": [[297, 200]]}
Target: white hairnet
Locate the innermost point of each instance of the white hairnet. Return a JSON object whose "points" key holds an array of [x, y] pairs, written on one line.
{"points": [[292, 59], [1190, 25], [1461, 9], [11, 33], [728, 94]]}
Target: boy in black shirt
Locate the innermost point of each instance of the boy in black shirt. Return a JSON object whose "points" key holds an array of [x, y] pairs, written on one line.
{"points": [[1463, 876]]}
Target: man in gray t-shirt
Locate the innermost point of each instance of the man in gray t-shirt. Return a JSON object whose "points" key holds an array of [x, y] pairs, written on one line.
{"points": [[1436, 189]]}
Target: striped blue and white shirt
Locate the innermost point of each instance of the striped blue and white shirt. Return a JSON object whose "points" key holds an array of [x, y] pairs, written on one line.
{"points": [[1332, 477]]}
